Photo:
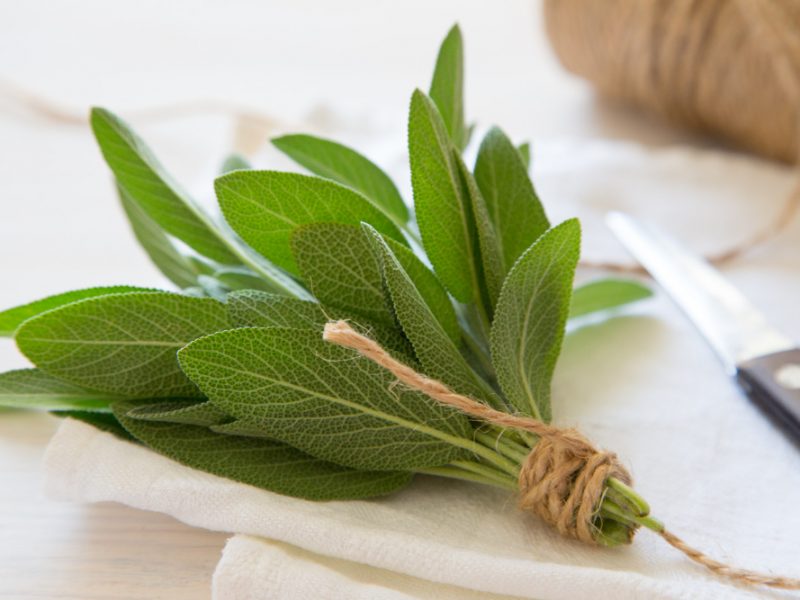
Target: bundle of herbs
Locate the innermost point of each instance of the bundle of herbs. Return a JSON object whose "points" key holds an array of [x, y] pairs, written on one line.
{"points": [[231, 374]]}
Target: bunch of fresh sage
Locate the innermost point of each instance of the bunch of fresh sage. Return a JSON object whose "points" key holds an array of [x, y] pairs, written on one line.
{"points": [[230, 375]]}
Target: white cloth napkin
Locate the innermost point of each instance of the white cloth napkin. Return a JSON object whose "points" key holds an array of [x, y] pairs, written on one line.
{"points": [[644, 385], [254, 568]]}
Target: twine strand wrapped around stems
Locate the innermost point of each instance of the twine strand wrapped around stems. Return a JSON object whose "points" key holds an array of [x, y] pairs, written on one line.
{"points": [[564, 477]]}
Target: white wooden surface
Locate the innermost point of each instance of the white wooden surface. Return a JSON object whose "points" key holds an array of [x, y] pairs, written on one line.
{"points": [[60, 550], [60, 227]]}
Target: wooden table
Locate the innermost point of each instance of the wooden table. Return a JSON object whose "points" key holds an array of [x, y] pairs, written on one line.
{"points": [[52, 549]]}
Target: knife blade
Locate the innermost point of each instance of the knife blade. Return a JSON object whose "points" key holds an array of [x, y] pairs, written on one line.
{"points": [[764, 361]]}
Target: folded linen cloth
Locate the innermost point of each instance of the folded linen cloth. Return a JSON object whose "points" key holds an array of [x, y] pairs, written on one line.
{"points": [[643, 385], [254, 569]]}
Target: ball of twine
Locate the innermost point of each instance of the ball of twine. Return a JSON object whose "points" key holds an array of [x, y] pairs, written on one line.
{"points": [[729, 67]]}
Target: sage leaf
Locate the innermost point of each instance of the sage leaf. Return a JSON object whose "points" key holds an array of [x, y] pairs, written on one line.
{"points": [[443, 211], [140, 174], [491, 269], [258, 309], [213, 288], [12, 318], [239, 427], [241, 278], [264, 207], [428, 286], [33, 389], [529, 321], [185, 412], [447, 86], [251, 308], [162, 252], [605, 294], [344, 165], [121, 343], [262, 463], [338, 266], [322, 399], [513, 205], [201, 266], [436, 351]]}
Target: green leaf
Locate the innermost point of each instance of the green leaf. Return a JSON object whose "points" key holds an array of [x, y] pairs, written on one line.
{"points": [[175, 267], [213, 288], [428, 287], [447, 86], [12, 318], [122, 343], [265, 464], [234, 162], [33, 389], [437, 352], [251, 308], [531, 314], [342, 270], [443, 211], [239, 427], [337, 264], [344, 165], [324, 400], [141, 175], [203, 267], [264, 207], [524, 150], [184, 412], [241, 278], [257, 309], [513, 206], [605, 294], [491, 271]]}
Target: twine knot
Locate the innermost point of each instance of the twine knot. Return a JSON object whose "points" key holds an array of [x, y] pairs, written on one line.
{"points": [[563, 481], [564, 477]]}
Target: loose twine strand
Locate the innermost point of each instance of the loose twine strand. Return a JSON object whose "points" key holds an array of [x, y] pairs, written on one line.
{"points": [[252, 129], [563, 478]]}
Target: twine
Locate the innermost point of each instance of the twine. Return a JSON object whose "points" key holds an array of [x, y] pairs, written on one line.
{"points": [[563, 478], [563, 484], [728, 67]]}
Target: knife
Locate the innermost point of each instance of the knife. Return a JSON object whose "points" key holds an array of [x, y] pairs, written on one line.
{"points": [[763, 361]]}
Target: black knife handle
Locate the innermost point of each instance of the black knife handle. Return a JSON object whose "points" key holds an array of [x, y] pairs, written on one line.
{"points": [[773, 383]]}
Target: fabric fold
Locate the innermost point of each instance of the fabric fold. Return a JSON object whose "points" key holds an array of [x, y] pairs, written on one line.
{"points": [[644, 386], [255, 568], [441, 531]]}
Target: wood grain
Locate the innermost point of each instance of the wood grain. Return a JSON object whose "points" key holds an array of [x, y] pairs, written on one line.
{"points": [[51, 549]]}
